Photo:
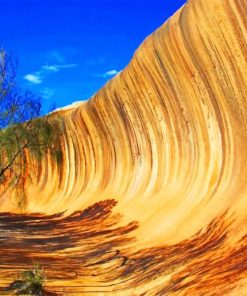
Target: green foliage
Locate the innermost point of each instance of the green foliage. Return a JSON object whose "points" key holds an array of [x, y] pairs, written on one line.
{"points": [[31, 282], [23, 133]]}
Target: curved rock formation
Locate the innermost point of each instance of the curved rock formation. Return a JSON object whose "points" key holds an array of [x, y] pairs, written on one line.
{"points": [[152, 186]]}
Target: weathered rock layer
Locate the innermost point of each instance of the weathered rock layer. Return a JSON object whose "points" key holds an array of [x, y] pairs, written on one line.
{"points": [[166, 139]]}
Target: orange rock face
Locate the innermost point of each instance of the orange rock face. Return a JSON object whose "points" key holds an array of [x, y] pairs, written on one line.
{"points": [[151, 196]]}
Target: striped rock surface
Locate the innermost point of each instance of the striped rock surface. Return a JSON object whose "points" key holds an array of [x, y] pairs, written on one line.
{"points": [[151, 196]]}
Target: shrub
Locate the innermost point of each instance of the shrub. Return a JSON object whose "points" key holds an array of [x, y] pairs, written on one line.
{"points": [[31, 282]]}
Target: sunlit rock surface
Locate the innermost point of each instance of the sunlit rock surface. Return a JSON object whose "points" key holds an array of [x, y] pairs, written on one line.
{"points": [[151, 196]]}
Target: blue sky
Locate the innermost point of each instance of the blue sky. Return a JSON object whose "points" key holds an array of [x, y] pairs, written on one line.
{"points": [[67, 50]]}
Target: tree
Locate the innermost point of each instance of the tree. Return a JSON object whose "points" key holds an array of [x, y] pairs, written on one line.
{"points": [[23, 133]]}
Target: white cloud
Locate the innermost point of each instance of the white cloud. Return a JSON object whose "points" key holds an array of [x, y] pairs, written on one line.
{"points": [[66, 66], [49, 68], [71, 106], [56, 68], [57, 56], [109, 73], [47, 93], [33, 78]]}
